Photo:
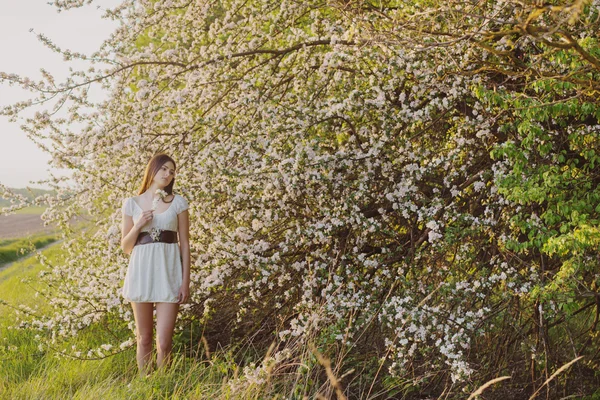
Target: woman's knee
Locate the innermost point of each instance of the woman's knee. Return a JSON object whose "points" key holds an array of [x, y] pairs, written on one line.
{"points": [[164, 344], [144, 339]]}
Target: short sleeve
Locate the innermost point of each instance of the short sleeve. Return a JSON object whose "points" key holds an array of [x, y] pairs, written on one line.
{"points": [[127, 207], [182, 204]]}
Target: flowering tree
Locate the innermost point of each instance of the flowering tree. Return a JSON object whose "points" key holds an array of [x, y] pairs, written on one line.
{"points": [[408, 182]]}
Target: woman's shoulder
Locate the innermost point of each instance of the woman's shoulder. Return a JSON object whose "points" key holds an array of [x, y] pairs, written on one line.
{"points": [[132, 199], [127, 206], [181, 203]]}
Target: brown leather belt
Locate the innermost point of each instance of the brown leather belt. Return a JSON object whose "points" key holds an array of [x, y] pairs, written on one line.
{"points": [[155, 236]]}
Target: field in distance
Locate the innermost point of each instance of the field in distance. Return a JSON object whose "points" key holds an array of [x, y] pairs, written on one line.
{"points": [[23, 223], [26, 221]]}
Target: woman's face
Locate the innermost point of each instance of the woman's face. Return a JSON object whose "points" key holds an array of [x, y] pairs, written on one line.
{"points": [[165, 174]]}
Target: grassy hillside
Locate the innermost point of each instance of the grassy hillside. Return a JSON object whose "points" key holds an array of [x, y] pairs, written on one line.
{"points": [[13, 249]]}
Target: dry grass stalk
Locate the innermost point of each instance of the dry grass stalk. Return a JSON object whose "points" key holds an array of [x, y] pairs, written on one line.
{"points": [[558, 371], [334, 381], [206, 349], [486, 385]]}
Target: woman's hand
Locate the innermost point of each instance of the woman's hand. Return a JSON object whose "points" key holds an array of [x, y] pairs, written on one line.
{"points": [[184, 293], [144, 219]]}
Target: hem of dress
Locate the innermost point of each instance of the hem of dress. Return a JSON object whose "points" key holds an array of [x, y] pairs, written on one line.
{"points": [[150, 301]]}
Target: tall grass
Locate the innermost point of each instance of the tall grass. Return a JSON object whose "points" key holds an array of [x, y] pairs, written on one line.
{"points": [[37, 374]]}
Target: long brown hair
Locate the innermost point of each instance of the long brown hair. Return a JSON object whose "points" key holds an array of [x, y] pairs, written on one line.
{"points": [[152, 169]]}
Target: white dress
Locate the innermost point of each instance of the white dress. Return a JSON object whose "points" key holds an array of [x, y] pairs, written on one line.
{"points": [[155, 272]]}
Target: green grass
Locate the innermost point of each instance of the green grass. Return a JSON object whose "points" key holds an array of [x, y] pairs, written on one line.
{"points": [[10, 249], [14, 291], [30, 373], [38, 210]]}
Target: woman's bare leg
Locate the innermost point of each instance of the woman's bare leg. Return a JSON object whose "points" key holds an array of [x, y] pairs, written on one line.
{"points": [[144, 322], [166, 314]]}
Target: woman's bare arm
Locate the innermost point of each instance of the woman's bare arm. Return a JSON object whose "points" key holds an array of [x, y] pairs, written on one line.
{"points": [[183, 220]]}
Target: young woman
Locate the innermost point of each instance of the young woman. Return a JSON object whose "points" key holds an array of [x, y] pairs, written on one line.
{"points": [[159, 267]]}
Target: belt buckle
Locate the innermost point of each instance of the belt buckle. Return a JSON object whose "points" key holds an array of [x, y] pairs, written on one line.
{"points": [[155, 234]]}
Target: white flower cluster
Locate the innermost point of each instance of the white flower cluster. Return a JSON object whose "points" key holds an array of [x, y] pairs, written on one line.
{"points": [[258, 375], [160, 195]]}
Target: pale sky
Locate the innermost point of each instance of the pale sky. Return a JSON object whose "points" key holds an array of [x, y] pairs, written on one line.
{"points": [[82, 30]]}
